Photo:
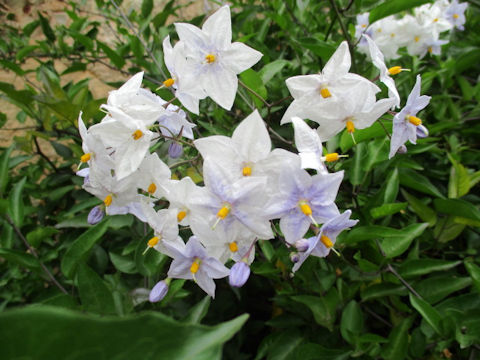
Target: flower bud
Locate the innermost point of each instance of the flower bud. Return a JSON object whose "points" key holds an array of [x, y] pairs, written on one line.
{"points": [[402, 150], [95, 215], [239, 274], [422, 131], [158, 292], [175, 150], [294, 257], [302, 245]]}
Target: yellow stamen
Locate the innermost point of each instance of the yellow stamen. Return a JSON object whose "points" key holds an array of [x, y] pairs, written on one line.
{"points": [[350, 126], [392, 35], [152, 188], [223, 212], [325, 93], [153, 241], [181, 215], [247, 171], [233, 246], [137, 134], [169, 82], [210, 58], [331, 157], [414, 120], [326, 241], [108, 200], [394, 70], [195, 266], [364, 25], [417, 38], [85, 157], [305, 208], [435, 20], [430, 49], [455, 16]]}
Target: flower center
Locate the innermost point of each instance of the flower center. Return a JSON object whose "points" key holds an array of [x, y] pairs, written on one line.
{"points": [[305, 208], [331, 157], [364, 25], [247, 171], [326, 241], [394, 70], [169, 82], [414, 120], [210, 58], [417, 38], [152, 188], [85, 157], [455, 16], [153, 241], [325, 93], [181, 215], [137, 134], [108, 200], [233, 246], [195, 265], [223, 212], [350, 126], [435, 20]]}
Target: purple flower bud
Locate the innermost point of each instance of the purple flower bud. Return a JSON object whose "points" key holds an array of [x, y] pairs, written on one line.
{"points": [[175, 150], [422, 131], [239, 274], [95, 215], [402, 150], [158, 292], [294, 257], [302, 245]]}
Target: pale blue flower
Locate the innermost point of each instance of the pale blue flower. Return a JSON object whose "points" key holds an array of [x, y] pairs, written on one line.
{"points": [[455, 14], [405, 123]]}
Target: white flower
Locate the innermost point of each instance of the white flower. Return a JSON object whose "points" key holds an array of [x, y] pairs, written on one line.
{"points": [[215, 60]]}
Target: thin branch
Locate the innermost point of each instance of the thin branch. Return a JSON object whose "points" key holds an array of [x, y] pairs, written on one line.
{"points": [[384, 128], [403, 281], [184, 162], [34, 253], [345, 32], [254, 93], [39, 151]]}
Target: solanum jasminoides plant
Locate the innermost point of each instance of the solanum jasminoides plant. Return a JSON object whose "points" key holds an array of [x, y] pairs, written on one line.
{"points": [[280, 159]]}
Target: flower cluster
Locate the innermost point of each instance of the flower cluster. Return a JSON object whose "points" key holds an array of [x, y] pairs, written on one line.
{"points": [[419, 33], [248, 187]]}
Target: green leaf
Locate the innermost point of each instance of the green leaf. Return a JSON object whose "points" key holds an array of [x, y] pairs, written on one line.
{"points": [[271, 69], [322, 307], [392, 186], [371, 232], [45, 332], [351, 324], [428, 312], [116, 59], [16, 202], [23, 52], [459, 182], [396, 245], [253, 80], [81, 247], [418, 267], [396, 348], [4, 160], [94, 293], [21, 258], [47, 30], [474, 271], [447, 229], [423, 211], [434, 289], [123, 263], [147, 7], [357, 174], [382, 290], [149, 263], [387, 209], [457, 207], [36, 236], [267, 249], [319, 47], [414, 180], [198, 312], [391, 7]]}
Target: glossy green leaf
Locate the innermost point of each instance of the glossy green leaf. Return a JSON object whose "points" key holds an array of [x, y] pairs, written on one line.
{"points": [[418, 182], [434, 289], [46, 28], [43, 332], [357, 173], [457, 207], [396, 348], [254, 82], [428, 312], [351, 324], [147, 7], [20, 258], [383, 289], [16, 202], [322, 307], [392, 186], [4, 160], [391, 7], [418, 267], [396, 245], [423, 211], [94, 293], [198, 311], [272, 69], [474, 271], [80, 248], [361, 135], [387, 209]]}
